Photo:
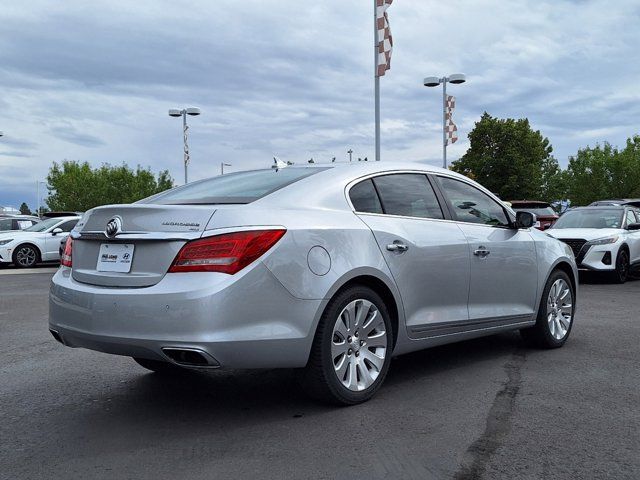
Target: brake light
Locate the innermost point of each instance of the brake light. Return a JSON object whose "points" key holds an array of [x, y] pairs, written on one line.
{"points": [[65, 259], [227, 253]]}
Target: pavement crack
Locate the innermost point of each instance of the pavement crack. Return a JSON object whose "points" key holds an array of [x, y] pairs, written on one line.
{"points": [[498, 422]]}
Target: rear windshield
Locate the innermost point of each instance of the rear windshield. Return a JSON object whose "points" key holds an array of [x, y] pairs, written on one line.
{"points": [[239, 187]]}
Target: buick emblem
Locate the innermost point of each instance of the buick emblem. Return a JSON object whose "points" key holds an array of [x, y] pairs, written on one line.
{"points": [[114, 226]]}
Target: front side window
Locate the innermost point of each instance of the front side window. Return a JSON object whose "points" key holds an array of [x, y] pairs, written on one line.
{"points": [[364, 197], [471, 205], [631, 218], [68, 226], [408, 194]]}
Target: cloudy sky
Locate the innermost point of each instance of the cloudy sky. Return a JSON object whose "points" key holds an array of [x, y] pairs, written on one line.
{"points": [[94, 80]]}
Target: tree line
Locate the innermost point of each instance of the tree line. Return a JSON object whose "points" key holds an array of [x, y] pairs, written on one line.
{"points": [[516, 163], [505, 155], [77, 187]]}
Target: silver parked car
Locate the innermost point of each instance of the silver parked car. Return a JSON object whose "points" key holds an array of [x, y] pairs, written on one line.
{"points": [[329, 269]]}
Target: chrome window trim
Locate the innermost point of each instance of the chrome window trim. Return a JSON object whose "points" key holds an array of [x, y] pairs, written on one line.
{"points": [[349, 185], [352, 183]]}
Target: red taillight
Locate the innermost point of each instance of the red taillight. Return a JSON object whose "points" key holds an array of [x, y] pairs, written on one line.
{"points": [[227, 253], [65, 259]]}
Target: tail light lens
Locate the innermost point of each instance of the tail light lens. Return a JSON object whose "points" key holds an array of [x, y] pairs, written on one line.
{"points": [[227, 253], [65, 260]]}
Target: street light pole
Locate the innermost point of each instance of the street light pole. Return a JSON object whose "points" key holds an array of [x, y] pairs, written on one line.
{"points": [[455, 78], [222, 165], [38, 182], [175, 112], [349, 152]]}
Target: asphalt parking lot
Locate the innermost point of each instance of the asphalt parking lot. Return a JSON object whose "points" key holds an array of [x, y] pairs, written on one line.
{"points": [[488, 408]]}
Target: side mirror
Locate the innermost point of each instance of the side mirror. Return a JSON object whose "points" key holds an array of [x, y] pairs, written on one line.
{"points": [[525, 219], [56, 231], [633, 226]]}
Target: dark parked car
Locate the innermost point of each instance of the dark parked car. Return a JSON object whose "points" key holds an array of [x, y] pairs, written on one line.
{"points": [[546, 215]]}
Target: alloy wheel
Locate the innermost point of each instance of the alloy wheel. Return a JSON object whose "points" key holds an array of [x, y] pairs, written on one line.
{"points": [[559, 309], [26, 257], [359, 345]]}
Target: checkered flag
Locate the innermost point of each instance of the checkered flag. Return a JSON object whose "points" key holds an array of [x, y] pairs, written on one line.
{"points": [[450, 128], [385, 42]]}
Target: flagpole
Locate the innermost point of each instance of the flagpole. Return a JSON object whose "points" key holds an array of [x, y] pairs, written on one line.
{"points": [[376, 78]]}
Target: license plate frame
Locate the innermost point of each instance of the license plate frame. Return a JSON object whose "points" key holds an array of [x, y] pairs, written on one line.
{"points": [[115, 257]]}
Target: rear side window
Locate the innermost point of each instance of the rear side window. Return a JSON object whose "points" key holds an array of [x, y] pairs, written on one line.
{"points": [[472, 205], [409, 195], [233, 188], [364, 198], [6, 224]]}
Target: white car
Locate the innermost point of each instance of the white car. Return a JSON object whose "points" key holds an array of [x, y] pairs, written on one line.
{"points": [[604, 239], [38, 243]]}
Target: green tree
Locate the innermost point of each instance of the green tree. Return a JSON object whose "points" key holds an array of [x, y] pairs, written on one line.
{"points": [[604, 172], [511, 160], [24, 209], [75, 186]]}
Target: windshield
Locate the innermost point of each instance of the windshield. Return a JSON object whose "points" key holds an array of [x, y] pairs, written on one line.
{"points": [[600, 218], [239, 187], [42, 226], [538, 211]]}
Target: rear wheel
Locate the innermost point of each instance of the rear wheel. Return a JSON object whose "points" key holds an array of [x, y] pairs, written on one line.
{"points": [[555, 315], [351, 350], [26, 256], [622, 267], [157, 365]]}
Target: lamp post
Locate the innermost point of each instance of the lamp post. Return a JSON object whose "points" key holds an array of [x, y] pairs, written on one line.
{"points": [[38, 182], [222, 165], [175, 112], [349, 152], [455, 78]]}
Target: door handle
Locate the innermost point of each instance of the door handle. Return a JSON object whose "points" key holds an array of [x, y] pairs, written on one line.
{"points": [[397, 247], [481, 252]]}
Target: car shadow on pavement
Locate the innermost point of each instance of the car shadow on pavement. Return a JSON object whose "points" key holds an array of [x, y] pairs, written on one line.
{"points": [[598, 278], [261, 395]]}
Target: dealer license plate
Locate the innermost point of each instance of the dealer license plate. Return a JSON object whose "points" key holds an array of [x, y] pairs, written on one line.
{"points": [[115, 257]]}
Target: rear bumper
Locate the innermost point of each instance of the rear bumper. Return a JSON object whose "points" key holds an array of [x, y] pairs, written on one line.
{"points": [[248, 320]]}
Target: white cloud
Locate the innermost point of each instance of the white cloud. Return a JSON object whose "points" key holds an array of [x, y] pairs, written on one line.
{"points": [[93, 81]]}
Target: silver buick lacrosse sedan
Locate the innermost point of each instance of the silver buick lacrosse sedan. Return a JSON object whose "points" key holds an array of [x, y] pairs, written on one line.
{"points": [[331, 270]]}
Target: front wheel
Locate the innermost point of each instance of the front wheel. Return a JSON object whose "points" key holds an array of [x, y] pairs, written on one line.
{"points": [[351, 350], [621, 273], [555, 315], [25, 256]]}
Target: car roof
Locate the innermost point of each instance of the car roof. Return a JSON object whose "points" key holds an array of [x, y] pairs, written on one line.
{"points": [[601, 207], [326, 188]]}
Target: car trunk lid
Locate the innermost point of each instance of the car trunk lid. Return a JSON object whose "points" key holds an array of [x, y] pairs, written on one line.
{"points": [[152, 233]]}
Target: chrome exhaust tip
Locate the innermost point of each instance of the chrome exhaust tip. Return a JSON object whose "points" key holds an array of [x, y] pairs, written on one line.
{"points": [[56, 335], [190, 357]]}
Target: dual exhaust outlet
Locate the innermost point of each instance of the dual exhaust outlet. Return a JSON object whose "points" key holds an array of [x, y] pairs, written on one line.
{"points": [[183, 356]]}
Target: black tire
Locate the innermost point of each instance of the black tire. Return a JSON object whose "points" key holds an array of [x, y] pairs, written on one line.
{"points": [[621, 273], [157, 366], [26, 256], [540, 334], [319, 379]]}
